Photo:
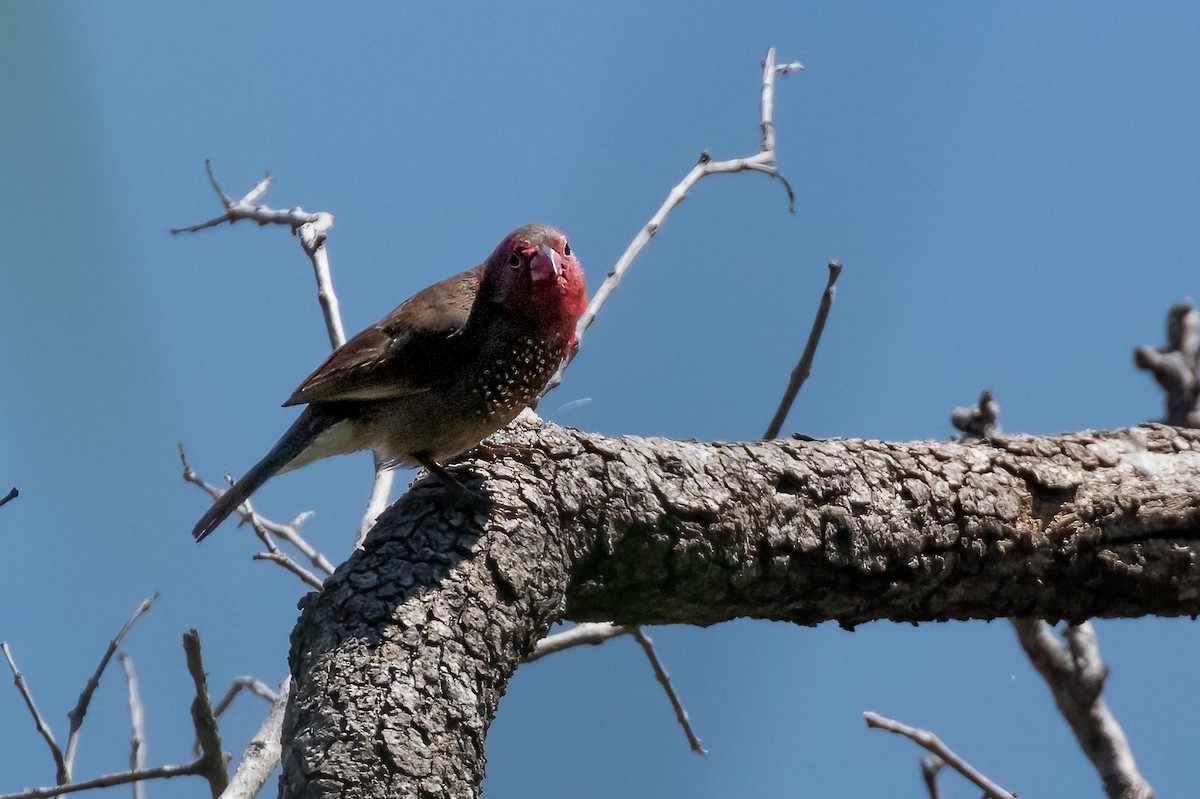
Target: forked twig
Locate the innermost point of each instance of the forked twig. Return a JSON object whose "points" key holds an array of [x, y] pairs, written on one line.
{"points": [[312, 229], [251, 684], [211, 763], [1176, 366], [763, 161], [934, 744], [1075, 674], [263, 753], [78, 713], [265, 528], [594, 633]]}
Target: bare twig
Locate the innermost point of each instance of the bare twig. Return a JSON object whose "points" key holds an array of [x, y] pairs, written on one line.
{"points": [[978, 421], [763, 161], [381, 492], [804, 366], [137, 724], [312, 239], [311, 228], [62, 774], [261, 524], [78, 713], [251, 684], [288, 564], [590, 633], [1176, 367], [211, 763], [239, 684], [594, 633], [109, 780], [1075, 675], [930, 766], [262, 755], [932, 743], [10, 496], [664, 680]]}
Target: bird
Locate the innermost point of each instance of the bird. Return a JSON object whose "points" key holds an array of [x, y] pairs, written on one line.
{"points": [[447, 368]]}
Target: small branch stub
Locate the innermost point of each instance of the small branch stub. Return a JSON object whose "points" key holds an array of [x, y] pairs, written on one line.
{"points": [[978, 421], [1176, 366]]}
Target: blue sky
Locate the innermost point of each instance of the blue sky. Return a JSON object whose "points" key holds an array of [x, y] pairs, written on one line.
{"points": [[1012, 189]]}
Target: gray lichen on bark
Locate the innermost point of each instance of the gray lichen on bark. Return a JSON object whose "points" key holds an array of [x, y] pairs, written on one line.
{"points": [[401, 660]]}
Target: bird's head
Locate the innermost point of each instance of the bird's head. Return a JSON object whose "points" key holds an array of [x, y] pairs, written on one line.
{"points": [[533, 273]]}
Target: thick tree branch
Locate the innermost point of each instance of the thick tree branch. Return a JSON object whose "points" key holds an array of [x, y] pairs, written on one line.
{"points": [[400, 662]]}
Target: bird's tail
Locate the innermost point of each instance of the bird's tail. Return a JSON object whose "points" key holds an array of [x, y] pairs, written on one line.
{"points": [[311, 423]]}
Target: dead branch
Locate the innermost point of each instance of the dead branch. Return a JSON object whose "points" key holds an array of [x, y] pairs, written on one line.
{"points": [[934, 744]]}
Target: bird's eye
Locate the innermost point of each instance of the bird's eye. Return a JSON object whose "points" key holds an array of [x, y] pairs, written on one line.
{"points": [[514, 260], [566, 249]]}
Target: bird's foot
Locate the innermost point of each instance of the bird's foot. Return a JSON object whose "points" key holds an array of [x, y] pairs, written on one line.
{"points": [[460, 491]]}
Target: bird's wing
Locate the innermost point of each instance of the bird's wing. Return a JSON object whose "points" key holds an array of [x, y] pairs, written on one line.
{"points": [[399, 355]]}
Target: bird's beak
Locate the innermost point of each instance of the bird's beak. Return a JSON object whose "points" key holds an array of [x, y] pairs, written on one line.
{"points": [[545, 265]]}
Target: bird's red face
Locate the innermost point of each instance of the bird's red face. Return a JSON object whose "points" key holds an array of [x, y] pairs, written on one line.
{"points": [[534, 273]]}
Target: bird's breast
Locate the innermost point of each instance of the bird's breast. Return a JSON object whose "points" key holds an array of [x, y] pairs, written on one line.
{"points": [[510, 377]]}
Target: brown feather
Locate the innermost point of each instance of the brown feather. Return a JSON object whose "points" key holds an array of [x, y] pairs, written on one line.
{"points": [[378, 363]]}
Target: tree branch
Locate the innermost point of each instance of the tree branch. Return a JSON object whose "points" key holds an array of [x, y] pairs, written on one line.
{"points": [[934, 744], [62, 773], [137, 723], [1076, 674], [211, 763], [400, 661], [804, 365], [79, 712], [664, 680], [266, 529], [262, 756], [1176, 366], [109, 780], [981, 420], [312, 229], [763, 161]]}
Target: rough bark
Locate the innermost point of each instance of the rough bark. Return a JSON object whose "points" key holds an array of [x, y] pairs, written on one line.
{"points": [[401, 660]]}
